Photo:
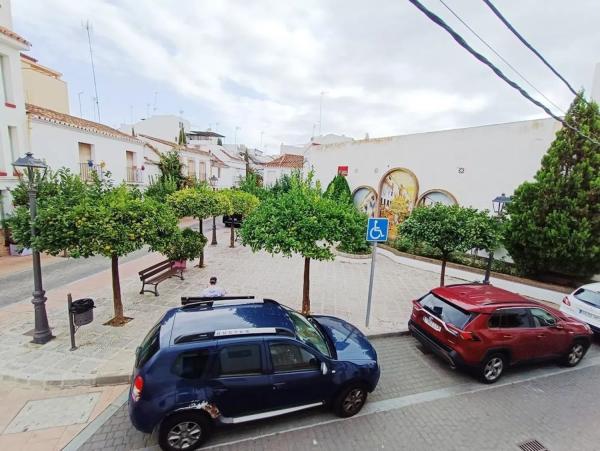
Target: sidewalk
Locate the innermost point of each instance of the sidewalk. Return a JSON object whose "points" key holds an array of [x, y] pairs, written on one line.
{"points": [[11, 264]]}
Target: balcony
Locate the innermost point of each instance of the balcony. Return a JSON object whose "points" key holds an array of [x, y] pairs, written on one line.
{"points": [[133, 175], [86, 171]]}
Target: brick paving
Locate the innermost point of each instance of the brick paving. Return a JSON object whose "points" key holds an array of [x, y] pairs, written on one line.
{"points": [[406, 370], [105, 354]]}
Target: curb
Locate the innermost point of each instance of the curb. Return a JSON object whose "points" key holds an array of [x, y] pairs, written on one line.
{"points": [[116, 379]]}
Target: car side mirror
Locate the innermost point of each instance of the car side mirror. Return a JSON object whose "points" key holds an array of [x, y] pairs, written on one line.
{"points": [[324, 369], [558, 326]]}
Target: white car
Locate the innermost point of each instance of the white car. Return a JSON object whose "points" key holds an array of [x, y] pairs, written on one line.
{"points": [[584, 304]]}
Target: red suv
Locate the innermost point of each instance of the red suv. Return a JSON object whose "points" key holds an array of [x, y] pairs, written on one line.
{"points": [[485, 328]]}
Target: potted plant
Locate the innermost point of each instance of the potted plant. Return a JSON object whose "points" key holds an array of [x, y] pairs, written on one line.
{"points": [[183, 246]]}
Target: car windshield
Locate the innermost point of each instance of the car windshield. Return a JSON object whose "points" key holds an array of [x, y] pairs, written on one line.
{"points": [[588, 296], [308, 333], [445, 311]]}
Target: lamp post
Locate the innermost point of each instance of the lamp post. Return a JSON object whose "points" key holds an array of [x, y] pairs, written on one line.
{"points": [[498, 204], [35, 170], [213, 183]]}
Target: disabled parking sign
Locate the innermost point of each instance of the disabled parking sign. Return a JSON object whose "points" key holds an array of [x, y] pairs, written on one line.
{"points": [[377, 229]]}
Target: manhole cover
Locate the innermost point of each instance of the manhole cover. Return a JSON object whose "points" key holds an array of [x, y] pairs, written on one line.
{"points": [[532, 445]]}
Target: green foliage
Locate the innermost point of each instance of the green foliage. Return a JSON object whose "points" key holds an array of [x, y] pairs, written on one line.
{"points": [[339, 190], [555, 220], [283, 184], [199, 203], [485, 231], [240, 202], [171, 168], [252, 184], [160, 188], [185, 244], [353, 241], [181, 138]]}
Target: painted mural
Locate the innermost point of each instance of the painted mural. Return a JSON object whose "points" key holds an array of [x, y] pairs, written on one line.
{"points": [[365, 200], [399, 189], [436, 196]]}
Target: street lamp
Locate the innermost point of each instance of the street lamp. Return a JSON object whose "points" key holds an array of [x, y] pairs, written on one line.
{"points": [[213, 183], [35, 170], [498, 204]]}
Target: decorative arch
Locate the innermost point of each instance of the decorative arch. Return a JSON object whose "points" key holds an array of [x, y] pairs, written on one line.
{"points": [[437, 195], [398, 193], [365, 199]]}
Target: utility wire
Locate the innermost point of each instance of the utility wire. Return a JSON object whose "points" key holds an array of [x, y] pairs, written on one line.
{"points": [[500, 56], [459, 39], [527, 44]]}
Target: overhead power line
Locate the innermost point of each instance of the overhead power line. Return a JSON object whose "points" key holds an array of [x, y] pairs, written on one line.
{"points": [[459, 39], [527, 44], [500, 56]]}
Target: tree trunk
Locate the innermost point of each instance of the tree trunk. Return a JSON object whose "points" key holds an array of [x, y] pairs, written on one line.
{"points": [[232, 236], [116, 285], [443, 274], [306, 288], [201, 262], [214, 232]]}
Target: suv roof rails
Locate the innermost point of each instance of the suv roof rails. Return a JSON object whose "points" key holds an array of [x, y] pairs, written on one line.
{"points": [[226, 333], [194, 300], [475, 282]]}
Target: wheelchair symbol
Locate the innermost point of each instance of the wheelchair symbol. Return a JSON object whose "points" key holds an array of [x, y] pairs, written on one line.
{"points": [[375, 233]]}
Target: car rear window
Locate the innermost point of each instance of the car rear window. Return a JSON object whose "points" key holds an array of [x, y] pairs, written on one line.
{"points": [[150, 346], [192, 364], [588, 296], [445, 311]]}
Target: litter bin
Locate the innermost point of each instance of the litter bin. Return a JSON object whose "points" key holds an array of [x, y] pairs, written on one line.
{"points": [[83, 311]]}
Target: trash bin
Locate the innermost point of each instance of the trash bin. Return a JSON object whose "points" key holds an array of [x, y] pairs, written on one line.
{"points": [[83, 311]]}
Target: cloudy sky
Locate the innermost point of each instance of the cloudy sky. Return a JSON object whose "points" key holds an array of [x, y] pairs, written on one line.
{"points": [[383, 67]]}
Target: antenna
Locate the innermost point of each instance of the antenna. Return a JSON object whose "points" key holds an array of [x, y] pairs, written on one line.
{"points": [[88, 28], [80, 109]]}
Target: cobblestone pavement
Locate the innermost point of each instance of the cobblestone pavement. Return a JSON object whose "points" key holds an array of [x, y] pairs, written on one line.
{"points": [[524, 406], [105, 354]]}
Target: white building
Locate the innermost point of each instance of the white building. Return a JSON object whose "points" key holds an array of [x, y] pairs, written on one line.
{"points": [[282, 165], [162, 126]]}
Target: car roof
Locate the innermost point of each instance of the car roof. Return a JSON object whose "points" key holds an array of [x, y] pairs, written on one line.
{"points": [[595, 286], [249, 315], [483, 298]]}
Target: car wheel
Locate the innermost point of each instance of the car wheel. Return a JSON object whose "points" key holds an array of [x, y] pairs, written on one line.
{"points": [[493, 368], [184, 431], [575, 353], [350, 400]]}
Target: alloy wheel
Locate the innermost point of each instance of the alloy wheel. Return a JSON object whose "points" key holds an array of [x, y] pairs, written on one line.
{"points": [[493, 369], [576, 354], [354, 400], [184, 435]]}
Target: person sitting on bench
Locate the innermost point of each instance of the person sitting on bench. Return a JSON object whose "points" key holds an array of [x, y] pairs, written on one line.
{"points": [[212, 290]]}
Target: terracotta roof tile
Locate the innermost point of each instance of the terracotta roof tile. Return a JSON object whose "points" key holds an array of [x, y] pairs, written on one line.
{"points": [[15, 36], [287, 160], [174, 145], [44, 114]]}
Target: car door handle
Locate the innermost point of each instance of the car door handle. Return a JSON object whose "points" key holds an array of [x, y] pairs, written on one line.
{"points": [[507, 336], [218, 391], [541, 335], [278, 385]]}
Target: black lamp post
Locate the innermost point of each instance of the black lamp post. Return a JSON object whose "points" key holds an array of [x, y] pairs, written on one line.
{"points": [[499, 205], [35, 171], [213, 183]]}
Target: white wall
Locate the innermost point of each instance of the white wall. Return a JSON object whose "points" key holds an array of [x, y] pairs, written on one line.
{"points": [[271, 174], [59, 145], [161, 126], [496, 159]]}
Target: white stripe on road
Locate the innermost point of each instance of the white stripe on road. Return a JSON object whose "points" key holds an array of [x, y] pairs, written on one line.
{"points": [[418, 398]]}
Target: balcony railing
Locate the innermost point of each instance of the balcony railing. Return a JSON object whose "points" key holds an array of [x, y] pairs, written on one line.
{"points": [[86, 171], [134, 175]]}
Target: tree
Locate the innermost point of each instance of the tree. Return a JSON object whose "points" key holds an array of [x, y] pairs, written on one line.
{"points": [[240, 203], [220, 206], [555, 219], [171, 168], [181, 245], [485, 233], [339, 190], [159, 188], [181, 138], [445, 228], [298, 221], [252, 183]]}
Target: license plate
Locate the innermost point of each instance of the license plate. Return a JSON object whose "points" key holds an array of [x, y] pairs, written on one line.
{"points": [[588, 314], [435, 326]]}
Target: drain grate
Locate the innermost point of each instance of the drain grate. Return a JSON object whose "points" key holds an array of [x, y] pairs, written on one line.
{"points": [[532, 445]]}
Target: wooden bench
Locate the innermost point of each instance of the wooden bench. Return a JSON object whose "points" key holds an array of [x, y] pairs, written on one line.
{"points": [[155, 274]]}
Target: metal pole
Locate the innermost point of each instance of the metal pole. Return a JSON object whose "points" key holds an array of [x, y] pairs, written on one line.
{"points": [[71, 323], [371, 283], [488, 269], [41, 333]]}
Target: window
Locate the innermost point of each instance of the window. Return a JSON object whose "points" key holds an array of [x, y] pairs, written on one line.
{"points": [[291, 357], [509, 318], [192, 364], [240, 360], [588, 296], [445, 311], [308, 333], [541, 318], [202, 176], [5, 79], [150, 346]]}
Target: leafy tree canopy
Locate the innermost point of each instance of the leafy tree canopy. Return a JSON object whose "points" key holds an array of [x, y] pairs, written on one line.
{"points": [[339, 190]]}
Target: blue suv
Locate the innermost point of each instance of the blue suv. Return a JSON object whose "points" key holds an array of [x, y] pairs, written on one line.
{"points": [[234, 360]]}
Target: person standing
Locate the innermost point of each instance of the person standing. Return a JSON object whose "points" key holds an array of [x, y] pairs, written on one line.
{"points": [[212, 290]]}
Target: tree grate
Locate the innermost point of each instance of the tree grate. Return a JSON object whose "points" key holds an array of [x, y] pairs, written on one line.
{"points": [[532, 445]]}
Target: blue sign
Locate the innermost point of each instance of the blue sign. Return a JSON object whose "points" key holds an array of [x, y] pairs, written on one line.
{"points": [[377, 229]]}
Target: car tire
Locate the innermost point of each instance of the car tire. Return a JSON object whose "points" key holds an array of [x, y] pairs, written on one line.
{"points": [[185, 430], [350, 400], [575, 353], [493, 368]]}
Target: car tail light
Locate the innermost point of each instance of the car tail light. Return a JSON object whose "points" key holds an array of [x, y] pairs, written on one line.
{"points": [[468, 336], [138, 385], [566, 301]]}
